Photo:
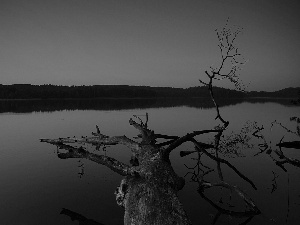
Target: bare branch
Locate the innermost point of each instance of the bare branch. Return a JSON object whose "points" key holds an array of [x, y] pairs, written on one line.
{"points": [[292, 161], [73, 152], [251, 212], [202, 82], [186, 138], [98, 139], [284, 127], [148, 136], [210, 76], [227, 37], [217, 159], [165, 136]]}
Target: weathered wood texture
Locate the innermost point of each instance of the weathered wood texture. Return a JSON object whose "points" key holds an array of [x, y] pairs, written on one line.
{"points": [[148, 191]]}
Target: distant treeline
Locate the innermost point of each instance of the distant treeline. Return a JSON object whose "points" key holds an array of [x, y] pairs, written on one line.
{"points": [[28, 91], [51, 105], [284, 93]]}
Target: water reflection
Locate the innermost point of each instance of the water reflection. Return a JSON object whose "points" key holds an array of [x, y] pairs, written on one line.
{"points": [[74, 216], [35, 184], [51, 105]]}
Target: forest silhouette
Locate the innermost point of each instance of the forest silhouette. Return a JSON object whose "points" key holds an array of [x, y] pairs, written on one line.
{"points": [[28, 91]]}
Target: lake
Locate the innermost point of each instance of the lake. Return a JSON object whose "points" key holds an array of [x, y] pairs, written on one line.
{"points": [[35, 184]]}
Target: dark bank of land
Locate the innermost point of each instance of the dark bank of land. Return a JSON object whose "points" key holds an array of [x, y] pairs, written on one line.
{"points": [[28, 91]]}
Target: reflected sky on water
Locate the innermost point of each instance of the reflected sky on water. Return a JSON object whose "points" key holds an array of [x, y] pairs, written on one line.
{"points": [[35, 185]]}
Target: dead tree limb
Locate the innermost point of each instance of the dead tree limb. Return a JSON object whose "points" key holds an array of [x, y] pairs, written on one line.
{"points": [[97, 139], [252, 208], [280, 158], [229, 51], [220, 160], [149, 190], [284, 159], [188, 137], [111, 163]]}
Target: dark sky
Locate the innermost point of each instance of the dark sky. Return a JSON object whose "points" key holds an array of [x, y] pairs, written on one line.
{"points": [[146, 42]]}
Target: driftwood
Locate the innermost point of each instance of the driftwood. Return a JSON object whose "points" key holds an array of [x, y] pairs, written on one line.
{"points": [[149, 190]]}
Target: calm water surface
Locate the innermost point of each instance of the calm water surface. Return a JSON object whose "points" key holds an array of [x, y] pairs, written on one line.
{"points": [[35, 184]]}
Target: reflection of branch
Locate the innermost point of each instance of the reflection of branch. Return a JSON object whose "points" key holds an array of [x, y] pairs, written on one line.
{"points": [[198, 177], [288, 200], [232, 144], [294, 162], [80, 218], [257, 132], [225, 162], [263, 147], [247, 220], [247, 213], [291, 144], [217, 216], [284, 127], [81, 169], [274, 184], [198, 173]]}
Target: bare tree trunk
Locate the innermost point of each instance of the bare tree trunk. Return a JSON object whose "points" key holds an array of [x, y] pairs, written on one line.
{"points": [[151, 196], [148, 191]]}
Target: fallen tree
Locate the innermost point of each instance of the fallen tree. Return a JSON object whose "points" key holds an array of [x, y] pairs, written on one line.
{"points": [[149, 190]]}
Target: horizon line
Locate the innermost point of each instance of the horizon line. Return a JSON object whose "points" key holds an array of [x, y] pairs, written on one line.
{"points": [[63, 85]]}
